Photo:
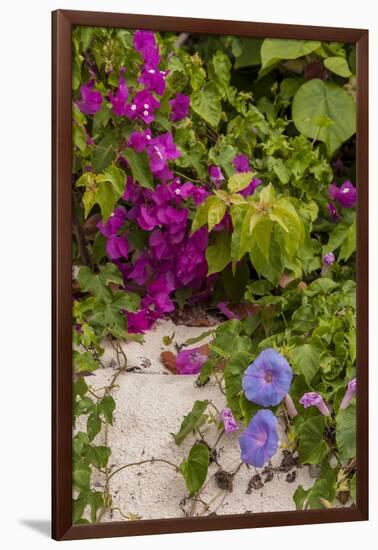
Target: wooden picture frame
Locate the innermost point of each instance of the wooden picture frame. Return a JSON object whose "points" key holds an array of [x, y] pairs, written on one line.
{"points": [[62, 25]]}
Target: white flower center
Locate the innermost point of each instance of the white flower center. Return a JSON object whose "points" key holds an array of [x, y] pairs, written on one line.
{"points": [[133, 107], [145, 113], [178, 191], [345, 190], [148, 137], [151, 71], [146, 106]]}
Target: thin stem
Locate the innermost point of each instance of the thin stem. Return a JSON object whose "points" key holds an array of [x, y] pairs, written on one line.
{"points": [[79, 234], [148, 460], [187, 177]]}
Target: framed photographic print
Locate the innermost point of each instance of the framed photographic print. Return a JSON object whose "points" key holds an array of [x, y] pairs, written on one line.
{"points": [[210, 274]]}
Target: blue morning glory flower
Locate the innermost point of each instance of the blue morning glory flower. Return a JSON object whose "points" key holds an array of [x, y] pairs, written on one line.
{"points": [[259, 442], [267, 380]]}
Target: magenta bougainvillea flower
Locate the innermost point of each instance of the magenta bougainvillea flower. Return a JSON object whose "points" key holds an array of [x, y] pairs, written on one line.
{"points": [[349, 394], [223, 308], [117, 247], [228, 420], [143, 106], [333, 211], [267, 380], [139, 140], [145, 43], [313, 399], [119, 99], [241, 163], [180, 107], [247, 191], [216, 175], [190, 361], [345, 195], [259, 442], [140, 321], [191, 264], [91, 99], [114, 223], [153, 79]]}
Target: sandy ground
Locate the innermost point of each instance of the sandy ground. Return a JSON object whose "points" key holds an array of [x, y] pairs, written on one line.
{"points": [[151, 403]]}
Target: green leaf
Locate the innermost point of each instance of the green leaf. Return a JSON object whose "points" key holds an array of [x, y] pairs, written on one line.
{"points": [[93, 426], [306, 360], [81, 475], [218, 253], [97, 283], [250, 53], [140, 167], [80, 387], [311, 498], [104, 153], [349, 244], [78, 506], [106, 407], [216, 209], [106, 197], [316, 98], [96, 501], [233, 374], [261, 234], [312, 448], [116, 177], [338, 65], [194, 468], [274, 49], [99, 456], [192, 420], [239, 181], [346, 432], [220, 71], [207, 104], [84, 362], [303, 319], [79, 138]]}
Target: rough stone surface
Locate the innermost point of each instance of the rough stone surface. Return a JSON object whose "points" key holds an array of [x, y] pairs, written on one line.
{"points": [[150, 404]]}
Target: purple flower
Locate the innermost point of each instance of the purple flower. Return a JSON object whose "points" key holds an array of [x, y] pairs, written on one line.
{"points": [[146, 218], [91, 100], [191, 262], [241, 163], [119, 100], [227, 312], [117, 247], [143, 106], [267, 380], [140, 321], [160, 150], [291, 409], [349, 394], [346, 195], [114, 223], [141, 270], [153, 79], [313, 399], [190, 361], [180, 107], [145, 43], [247, 191], [139, 140], [216, 175], [259, 442], [333, 211], [228, 420], [328, 259]]}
